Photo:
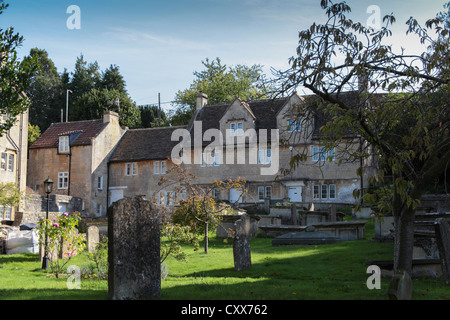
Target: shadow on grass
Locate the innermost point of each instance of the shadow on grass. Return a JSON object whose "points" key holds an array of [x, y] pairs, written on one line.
{"points": [[25, 257], [52, 294]]}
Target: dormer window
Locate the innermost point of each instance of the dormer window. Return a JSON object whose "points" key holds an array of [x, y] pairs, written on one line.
{"points": [[236, 128], [63, 146], [294, 125]]}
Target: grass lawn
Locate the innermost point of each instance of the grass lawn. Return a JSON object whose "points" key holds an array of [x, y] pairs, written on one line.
{"points": [[328, 272]]}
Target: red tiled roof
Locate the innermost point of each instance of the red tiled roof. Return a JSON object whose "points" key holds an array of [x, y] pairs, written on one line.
{"points": [[89, 129]]}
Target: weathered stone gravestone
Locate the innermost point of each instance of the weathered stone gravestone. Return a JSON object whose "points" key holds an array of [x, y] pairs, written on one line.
{"points": [[241, 243], [134, 250], [92, 238], [294, 216], [442, 228], [401, 287], [332, 213]]}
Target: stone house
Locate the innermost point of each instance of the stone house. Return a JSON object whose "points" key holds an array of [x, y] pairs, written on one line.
{"points": [[240, 139], [75, 156], [13, 153]]}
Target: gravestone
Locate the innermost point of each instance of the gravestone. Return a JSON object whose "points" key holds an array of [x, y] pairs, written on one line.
{"points": [[134, 250], [442, 227], [304, 238], [241, 243], [332, 213], [294, 218], [401, 287], [92, 238]]}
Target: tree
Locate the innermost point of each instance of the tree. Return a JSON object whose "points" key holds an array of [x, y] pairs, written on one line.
{"points": [[150, 116], [46, 92], [94, 103], [112, 79], [15, 76], [222, 84], [407, 127], [10, 195]]}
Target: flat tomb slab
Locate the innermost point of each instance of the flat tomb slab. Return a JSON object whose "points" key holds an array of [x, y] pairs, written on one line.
{"points": [[304, 238], [273, 230]]}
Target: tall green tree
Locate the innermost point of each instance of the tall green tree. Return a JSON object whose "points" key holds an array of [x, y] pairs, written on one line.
{"points": [[409, 131], [112, 79], [15, 76], [222, 84], [152, 117], [46, 92]]}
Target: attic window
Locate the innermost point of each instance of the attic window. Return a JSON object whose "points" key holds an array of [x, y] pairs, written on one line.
{"points": [[63, 146], [236, 128]]}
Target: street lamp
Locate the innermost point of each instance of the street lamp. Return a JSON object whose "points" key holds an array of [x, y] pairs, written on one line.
{"points": [[48, 187]]}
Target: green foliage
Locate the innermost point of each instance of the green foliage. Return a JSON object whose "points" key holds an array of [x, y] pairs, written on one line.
{"points": [[33, 133], [98, 262], [172, 236], [63, 240], [15, 76], [10, 196], [221, 84], [150, 116]]}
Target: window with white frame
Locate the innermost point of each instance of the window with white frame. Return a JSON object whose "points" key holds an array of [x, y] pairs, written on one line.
{"points": [[4, 117], [324, 192], [99, 209], [3, 163], [10, 162], [131, 169], [100, 183], [163, 167], [261, 193], [5, 213], [156, 167], [63, 146], [63, 180], [236, 128], [264, 156], [159, 167], [210, 158], [322, 154], [294, 125]]}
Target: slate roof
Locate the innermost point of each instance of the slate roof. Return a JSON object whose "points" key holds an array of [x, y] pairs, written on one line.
{"points": [[145, 144], [86, 130]]}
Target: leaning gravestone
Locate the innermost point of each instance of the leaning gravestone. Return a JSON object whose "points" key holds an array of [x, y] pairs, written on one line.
{"points": [[401, 287], [134, 250], [241, 243], [442, 228]]}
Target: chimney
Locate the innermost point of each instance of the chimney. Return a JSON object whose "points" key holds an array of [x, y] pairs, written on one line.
{"points": [[202, 100], [110, 116]]}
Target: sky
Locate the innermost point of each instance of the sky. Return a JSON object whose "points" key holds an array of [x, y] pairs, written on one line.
{"points": [[158, 45]]}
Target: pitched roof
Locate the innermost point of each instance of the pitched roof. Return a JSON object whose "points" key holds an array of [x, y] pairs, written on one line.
{"points": [[145, 144], [82, 133]]}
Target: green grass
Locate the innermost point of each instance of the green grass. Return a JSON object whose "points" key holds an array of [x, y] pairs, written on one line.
{"points": [[328, 272]]}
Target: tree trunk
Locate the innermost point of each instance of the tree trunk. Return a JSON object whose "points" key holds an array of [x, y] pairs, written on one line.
{"points": [[404, 240]]}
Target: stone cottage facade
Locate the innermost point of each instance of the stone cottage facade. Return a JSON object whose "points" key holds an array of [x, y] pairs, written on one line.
{"points": [[255, 140], [75, 156], [13, 153]]}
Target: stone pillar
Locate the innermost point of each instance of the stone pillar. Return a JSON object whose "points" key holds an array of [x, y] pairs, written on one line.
{"points": [[134, 250], [241, 243], [442, 228], [294, 217], [267, 205]]}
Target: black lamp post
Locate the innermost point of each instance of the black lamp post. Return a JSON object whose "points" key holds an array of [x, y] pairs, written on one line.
{"points": [[48, 187]]}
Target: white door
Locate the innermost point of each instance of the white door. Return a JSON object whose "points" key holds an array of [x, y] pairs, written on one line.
{"points": [[295, 194], [115, 195], [235, 195]]}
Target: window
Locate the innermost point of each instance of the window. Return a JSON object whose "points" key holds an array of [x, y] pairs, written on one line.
{"points": [[100, 183], [232, 129], [162, 198], [170, 198], [63, 146], [11, 162], [4, 118], [294, 125], [324, 191], [332, 191], [209, 159], [99, 209], [3, 163], [240, 128], [5, 213], [159, 167], [131, 169], [236, 128], [163, 167], [264, 192], [63, 180], [264, 156], [323, 154], [260, 193], [156, 167]]}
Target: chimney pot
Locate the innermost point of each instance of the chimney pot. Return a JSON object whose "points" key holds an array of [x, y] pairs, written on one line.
{"points": [[202, 100]]}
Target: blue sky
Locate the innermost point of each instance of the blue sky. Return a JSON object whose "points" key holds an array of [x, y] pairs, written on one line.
{"points": [[159, 44]]}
